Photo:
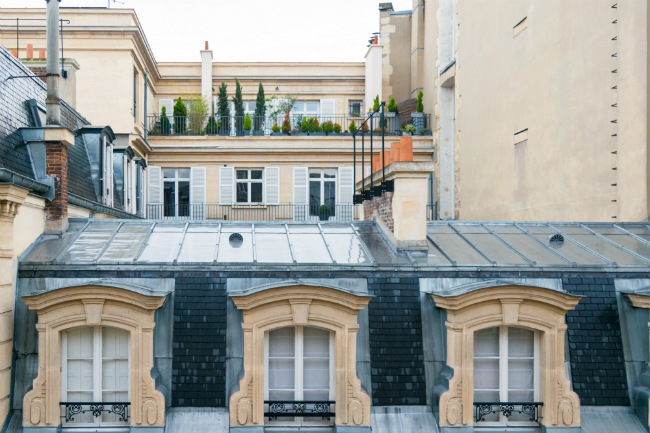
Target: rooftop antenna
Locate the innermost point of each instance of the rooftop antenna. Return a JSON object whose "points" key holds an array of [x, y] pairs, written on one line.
{"points": [[108, 6]]}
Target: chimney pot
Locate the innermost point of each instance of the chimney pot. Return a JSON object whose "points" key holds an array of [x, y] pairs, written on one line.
{"points": [[30, 51], [206, 45], [41, 54]]}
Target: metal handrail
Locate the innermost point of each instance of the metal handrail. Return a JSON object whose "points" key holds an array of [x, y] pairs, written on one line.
{"points": [[118, 408], [253, 212], [530, 408], [299, 408]]}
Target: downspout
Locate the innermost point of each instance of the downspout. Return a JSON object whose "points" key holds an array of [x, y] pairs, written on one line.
{"points": [[146, 129]]}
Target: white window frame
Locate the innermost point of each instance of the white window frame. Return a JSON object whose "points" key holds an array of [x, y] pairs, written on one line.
{"points": [[503, 376], [298, 378], [249, 181], [97, 376], [322, 179], [107, 170], [175, 181], [303, 109]]}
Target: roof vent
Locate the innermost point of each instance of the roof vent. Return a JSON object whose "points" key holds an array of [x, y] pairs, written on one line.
{"points": [[236, 239], [556, 240]]}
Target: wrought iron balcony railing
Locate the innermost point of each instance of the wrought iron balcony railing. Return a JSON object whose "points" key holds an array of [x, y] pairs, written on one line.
{"points": [[306, 409], [332, 125], [120, 410], [530, 410], [253, 212]]}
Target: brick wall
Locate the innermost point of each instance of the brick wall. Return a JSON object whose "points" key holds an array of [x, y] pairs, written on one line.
{"points": [[595, 345], [57, 167], [199, 343], [383, 206], [41, 71]]}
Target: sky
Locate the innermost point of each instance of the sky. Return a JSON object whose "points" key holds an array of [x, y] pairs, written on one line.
{"points": [[250, 30]]}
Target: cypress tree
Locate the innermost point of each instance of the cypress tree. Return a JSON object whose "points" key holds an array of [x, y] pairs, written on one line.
{"points": [[260, 107], [165, 125], [223, 111], [180, 116], [239, 107]]}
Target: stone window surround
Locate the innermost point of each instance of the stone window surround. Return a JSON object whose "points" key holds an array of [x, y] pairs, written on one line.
{"points": [[319, 307], [89, 305], [534, 308]]}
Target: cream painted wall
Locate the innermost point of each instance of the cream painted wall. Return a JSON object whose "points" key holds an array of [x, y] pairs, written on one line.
{"points": [[395, 36], [28, 224], [554, 79]]}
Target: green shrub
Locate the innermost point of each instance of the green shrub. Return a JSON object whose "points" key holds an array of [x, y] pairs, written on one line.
{"points": [[304, 125], [286, 126], [165, 124], [247, 122], [337, 128], [180, 116], [420, 107], [275, 127], [375, 105], [409, 129], [238, 102], [392, 106], [223, 110], [328, 127], [212, 127], [353, 127], [260, 108]]}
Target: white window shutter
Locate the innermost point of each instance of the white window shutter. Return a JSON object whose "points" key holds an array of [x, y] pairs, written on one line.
{"points": [[197, 185], [169, 106], [272, 185], [155, 185], [346, 185], [327, 108], [300, 190], [226, 185]]}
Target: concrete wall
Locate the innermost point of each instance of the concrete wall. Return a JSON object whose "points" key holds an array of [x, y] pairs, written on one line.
{"points": [[395, 36]]}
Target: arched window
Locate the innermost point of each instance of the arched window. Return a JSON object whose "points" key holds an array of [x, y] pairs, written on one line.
{"points": [[299, 371], [506, 371], [95, 376]]}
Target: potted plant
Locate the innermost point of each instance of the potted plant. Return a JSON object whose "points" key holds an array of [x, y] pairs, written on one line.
{"points": [[426, 131], [212, 127], [418, 116], [408, 130], [180, 117], [286, 127], [353, 127], [328, 127], [337, 128], [324, 212], [223, 110], [260, 112], [248, 124], [165, 124], [391, 114]]}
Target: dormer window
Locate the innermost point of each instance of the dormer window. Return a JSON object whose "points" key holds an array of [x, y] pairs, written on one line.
{"points": [[107, 172]]}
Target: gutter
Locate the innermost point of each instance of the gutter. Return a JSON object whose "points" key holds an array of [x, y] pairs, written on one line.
{"points": [[93, 206], [38, 188]]}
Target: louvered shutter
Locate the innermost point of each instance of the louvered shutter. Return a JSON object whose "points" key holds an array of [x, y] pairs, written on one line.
{"points": [[197, 192], [345, 193], [327, 110], [272, 185], [300, 198], [155, 204], [226, 185]]}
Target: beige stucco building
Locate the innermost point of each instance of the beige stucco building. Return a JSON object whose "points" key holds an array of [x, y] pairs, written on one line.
{"points": [[541, 106]]}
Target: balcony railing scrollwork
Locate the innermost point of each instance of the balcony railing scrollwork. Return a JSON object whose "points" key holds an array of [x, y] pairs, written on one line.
{"points": [[119, 409], [529, 409], [305, 409]]}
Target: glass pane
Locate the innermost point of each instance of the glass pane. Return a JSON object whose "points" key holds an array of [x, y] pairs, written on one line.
{"points": [[317, 395], [488, 396], [329, 198], [314, 196], [113, 396], [81, 418], [242, 192], [183, 199], [280, 395], [309, 248], [520, 342], [169, 173], [311, 107], [316, 342], [457, 249], [169, 197], [115, 343], [235, 251], [281, 342], [486, 342], [316, 373], [242, 174], [115, 375], [329, 173], [345, 248], [86, 247], [486, 373], [495, 249], [281, 373], [521, 396], [204, 228], [520, 373], [183, 173], [100, 226], [161, 248], [199, 247], [124, 247], [533, 250], [80, 376], [80, 343], [256, 174], [256, 193], [272, 247], [570, 250], [607, 250]]}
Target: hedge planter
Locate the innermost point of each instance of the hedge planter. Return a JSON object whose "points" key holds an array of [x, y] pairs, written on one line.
{"points": [[418, 121]]}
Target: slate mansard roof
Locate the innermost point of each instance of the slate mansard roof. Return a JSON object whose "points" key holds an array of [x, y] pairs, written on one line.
{"points": [[359, 245]]}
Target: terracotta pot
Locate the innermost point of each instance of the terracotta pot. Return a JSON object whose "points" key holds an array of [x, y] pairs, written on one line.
{"points": [[406, 149]]}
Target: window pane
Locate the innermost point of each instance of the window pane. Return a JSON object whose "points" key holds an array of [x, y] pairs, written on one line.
{"points": [[80, 376], [314, 197], [256, 174], [169, 173], [330, 173], [520, 374], [242, 174], [281, 373], [330, 195], [169, 197], [486, 374], [256, 192], [281, 342], [316, 342], [316, 373], [183, 173], [242, 192], [520, 396], [115, 343], [317, 395], [488, 396], [115, 375], [311, 107], [183, 198], [80, 343], [486, 342], [520, 342]]}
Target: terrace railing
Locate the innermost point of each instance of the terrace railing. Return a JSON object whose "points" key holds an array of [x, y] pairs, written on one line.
{"points": [[526, 411], [304, 409], [253, 212], [259, 126], [88, 412]]}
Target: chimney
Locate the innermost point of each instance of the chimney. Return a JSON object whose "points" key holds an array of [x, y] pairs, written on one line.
{"points": [[402, 213], [373, 73], [206, 73], [57, 139]]}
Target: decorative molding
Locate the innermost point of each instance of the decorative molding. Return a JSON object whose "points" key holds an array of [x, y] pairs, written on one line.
{"points": [[319, 307], [73, 307], [11, 198], [534, 308]]}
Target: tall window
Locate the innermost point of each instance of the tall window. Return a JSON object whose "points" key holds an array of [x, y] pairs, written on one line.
{"points": [[322, 190], [355, 108], [250, 186], [107, 170], [95, 369], [305, 108], [506, 370], [299, 368], [176, 185]]}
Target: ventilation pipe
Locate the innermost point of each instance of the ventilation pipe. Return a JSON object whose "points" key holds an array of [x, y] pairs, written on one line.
{"points": [[53, 115]]}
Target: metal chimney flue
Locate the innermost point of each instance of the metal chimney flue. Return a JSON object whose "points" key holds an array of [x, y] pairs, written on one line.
{"points": [[53, 103]]}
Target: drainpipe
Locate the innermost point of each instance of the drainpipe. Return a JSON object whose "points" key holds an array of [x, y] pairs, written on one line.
{"points": [[53, 115]]}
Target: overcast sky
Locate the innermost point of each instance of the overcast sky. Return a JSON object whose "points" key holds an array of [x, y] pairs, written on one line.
{"points": [[250, 30]]}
